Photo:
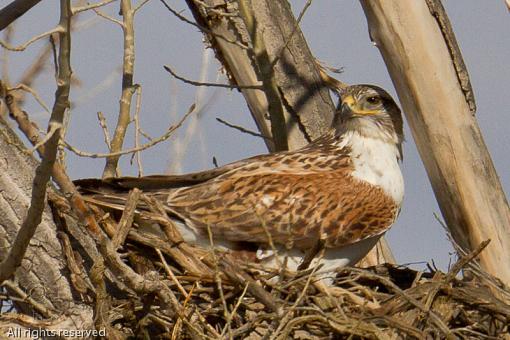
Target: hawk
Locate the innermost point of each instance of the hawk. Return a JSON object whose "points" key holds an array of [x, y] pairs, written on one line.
{"points": [[344, 190]]}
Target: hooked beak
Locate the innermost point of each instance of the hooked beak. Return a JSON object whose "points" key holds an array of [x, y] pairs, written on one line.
{"points": [[347, 106]]}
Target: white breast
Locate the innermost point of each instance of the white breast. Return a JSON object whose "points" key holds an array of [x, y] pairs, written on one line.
{"points": [[376, 162]]}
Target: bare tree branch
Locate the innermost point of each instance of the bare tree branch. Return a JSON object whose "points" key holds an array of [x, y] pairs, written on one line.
{"points": [[198, 83], [14, 10], [22, 47], [242, 129], [128, 88], [43, 172], [153, 142], [87, 7]]}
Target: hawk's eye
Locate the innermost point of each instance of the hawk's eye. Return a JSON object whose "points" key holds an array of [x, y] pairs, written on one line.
{"points": [[373, 100]]}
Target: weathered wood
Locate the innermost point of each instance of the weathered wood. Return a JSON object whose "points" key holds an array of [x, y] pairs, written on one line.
{"points": [[308, 108], [445, 130], [42, 271]]}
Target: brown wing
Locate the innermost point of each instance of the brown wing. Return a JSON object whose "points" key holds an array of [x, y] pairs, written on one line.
{"points": [[294, 209]]}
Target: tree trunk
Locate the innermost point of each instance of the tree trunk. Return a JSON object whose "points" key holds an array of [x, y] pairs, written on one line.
{"points": [[43, 274], [427, 73], [308, 108]]}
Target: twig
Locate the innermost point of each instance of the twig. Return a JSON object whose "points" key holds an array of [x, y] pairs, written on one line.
{"points": [[104, 127], [59, 29], [140, 5], [140, 284], [128, 151], [388, 283], [43, 171], [109, 18], [128, 88], [28, 89], [238, 277], [197, 83], [283, 321], [228, 324], [31, 131], [77, 10], [137, 130], [452, 273], [242, 129], [127, 218], [37, 65], [170, 273], [217, 279], [54, 127], [77, 274], [311, 253], [24, 297], [192, 130]]}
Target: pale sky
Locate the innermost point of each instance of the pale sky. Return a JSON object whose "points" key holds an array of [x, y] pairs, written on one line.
{"points": [[337, 34]]}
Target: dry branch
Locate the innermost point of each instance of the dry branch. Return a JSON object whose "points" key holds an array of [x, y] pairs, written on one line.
{"points": [[14, 10], [128, 88]]}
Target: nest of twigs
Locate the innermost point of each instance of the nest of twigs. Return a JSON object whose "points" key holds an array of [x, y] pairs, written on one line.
{"points": [[148, 287]]}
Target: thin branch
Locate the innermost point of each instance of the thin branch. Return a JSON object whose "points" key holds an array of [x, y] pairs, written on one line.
{"points": [[14, 10], [137, 130], [197, 83], [193, 129], [43, 171], [59, 29], [36, 67], [126, 220], [54, 127], [170, 273], [26, 298], [104, 127], [36, 96], [32, 132], [242, 129], [77, 10], [128, 88], [289, 313], [109, 18], [140, 5], [128, 151]]}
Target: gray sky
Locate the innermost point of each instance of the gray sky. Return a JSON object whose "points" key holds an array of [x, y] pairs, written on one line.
{"points": [[337, 34]]}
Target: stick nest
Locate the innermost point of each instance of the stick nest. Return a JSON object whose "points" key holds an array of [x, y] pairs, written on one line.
{"points": [[147, 287]]}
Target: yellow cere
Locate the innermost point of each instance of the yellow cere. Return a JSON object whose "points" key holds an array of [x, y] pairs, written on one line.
{"points": [[355, 106]]}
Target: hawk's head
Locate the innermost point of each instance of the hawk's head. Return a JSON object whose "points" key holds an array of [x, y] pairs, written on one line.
{"points": [[370, 111]]}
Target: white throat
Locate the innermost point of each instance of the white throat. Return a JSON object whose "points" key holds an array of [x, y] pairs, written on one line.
{"points": [[376, 162]]}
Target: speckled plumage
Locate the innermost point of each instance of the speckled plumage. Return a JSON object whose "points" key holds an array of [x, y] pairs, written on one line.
{"points": [[328, 190]]}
